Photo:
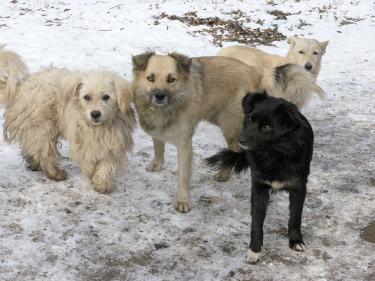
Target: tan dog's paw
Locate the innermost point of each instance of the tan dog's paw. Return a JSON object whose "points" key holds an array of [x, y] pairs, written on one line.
{"points": [[103, 188], [154, 166], [299, 247], [252, 257], [222, 176], [58, 175], [182, 206]]}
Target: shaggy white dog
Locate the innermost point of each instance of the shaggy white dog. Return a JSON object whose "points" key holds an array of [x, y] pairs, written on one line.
{"points": [[91, 110]]}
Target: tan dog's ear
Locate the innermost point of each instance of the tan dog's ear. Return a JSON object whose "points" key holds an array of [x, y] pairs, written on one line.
{"points": [[72, 85], [124, 93], [292, 40], [323, 46], [140, 61], [183, 62]]}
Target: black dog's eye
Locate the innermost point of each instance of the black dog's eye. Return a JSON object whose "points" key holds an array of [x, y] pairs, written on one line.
{"points": [[105, 97], [87, 97], [171, 79], [266, 128], [301, 52], [315, 53], [151, 78]]}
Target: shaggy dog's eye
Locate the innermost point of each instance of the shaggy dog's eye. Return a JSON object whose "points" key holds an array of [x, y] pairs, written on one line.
{"points": [[87, 97], [315, 53], [301, 52], [105, 97], [266, 128], [151, 78], [171, 79]]}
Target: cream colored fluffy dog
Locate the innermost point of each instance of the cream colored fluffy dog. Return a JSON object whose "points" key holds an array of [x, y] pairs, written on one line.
{"points": [[307, 53], [90, 110]]}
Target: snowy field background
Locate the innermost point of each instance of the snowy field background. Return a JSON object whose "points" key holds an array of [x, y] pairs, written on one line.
{"points": [[67, 231]]}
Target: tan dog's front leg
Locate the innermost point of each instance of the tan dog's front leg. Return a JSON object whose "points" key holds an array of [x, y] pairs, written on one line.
{"points": [[184, 155], [103, 176], [157, 163]]}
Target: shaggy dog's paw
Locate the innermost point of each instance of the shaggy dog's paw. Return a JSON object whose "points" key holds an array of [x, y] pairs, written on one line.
{"points": [[58, 175], [182, 206], [299, 247], [103, 188], [252, 257], [154, 166]]}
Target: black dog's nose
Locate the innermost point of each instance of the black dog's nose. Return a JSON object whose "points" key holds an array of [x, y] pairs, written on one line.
{"points": [[95, 114], [308, 66], [159, 97]]}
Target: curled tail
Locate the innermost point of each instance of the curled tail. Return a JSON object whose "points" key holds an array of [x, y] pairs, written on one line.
{"points": [[227, 159], [291, 82]]}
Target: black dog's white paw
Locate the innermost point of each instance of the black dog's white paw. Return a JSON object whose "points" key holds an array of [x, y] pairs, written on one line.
{"points": [[252, 257], [299, 247]]}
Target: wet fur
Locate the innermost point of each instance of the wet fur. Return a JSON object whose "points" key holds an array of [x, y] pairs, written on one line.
{"points": [[280, 161]]}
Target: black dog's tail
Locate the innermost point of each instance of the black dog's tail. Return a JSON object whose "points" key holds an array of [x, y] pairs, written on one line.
{"points": [[227, 159]]}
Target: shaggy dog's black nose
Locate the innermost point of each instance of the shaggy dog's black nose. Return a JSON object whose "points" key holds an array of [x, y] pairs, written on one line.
{"points": [[95, 114], [159, 97], [308, 66]]}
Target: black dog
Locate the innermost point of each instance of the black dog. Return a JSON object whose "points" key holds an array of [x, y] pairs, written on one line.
{"points": [[277, 145]]}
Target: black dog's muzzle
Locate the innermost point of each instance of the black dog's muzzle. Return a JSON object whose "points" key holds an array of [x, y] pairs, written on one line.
{"points": [[160, 97]]}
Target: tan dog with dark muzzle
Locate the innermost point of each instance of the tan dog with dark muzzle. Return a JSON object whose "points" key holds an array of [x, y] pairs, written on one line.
{"points": [[172, 93]]}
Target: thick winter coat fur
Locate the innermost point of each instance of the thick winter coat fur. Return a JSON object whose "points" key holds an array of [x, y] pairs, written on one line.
{"points": [[172, 93], [90, 110], [277, 145]]}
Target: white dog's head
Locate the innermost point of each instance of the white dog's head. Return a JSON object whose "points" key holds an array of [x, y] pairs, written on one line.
{"points": [[101, 95], [12, 71], [307, 53]]}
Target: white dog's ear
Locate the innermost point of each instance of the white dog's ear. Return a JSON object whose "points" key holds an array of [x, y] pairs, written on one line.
{"points": [[124, 93], [323, 46], [292, 40], [72, 84]]}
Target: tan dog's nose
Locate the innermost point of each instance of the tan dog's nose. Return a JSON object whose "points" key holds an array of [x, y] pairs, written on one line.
{"points": [[308, 66]]}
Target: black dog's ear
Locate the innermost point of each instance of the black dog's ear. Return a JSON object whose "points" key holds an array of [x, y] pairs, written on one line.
{"points": [[288, 118], [183, 62], [140, 61], [249, 101]]}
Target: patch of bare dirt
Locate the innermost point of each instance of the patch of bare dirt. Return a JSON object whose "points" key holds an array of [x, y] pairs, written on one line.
{"points": [[231, 30]]}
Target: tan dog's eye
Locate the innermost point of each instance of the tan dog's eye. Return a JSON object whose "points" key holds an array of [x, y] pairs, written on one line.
{"points": [[171, 79], [301, 52], [315, 53], [105, 97], [87, 97], [151, 78]]}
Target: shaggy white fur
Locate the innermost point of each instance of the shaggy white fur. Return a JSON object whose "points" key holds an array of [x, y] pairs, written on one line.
{"points": [[91, 110]]}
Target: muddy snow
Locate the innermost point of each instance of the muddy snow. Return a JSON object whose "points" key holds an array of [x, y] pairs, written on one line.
{"points": [[67, 231]]}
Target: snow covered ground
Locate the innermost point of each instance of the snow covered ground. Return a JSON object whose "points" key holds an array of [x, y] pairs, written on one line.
{"points": [[67, 231]]}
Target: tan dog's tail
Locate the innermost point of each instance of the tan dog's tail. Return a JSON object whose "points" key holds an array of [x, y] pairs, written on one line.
{"points": [[12, 71], [292, 83]]}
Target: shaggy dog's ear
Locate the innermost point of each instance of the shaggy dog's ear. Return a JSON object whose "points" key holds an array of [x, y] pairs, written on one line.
{"points": [[183, 62], [288, 118], [292, 40], [3, 76], [124, 93], [323, 46], [72, 85], [140, 61], [249, 101]]}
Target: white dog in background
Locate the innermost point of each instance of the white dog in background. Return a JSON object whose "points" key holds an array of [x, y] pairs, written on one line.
{"points": [[91, 110], [304, 52]]}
